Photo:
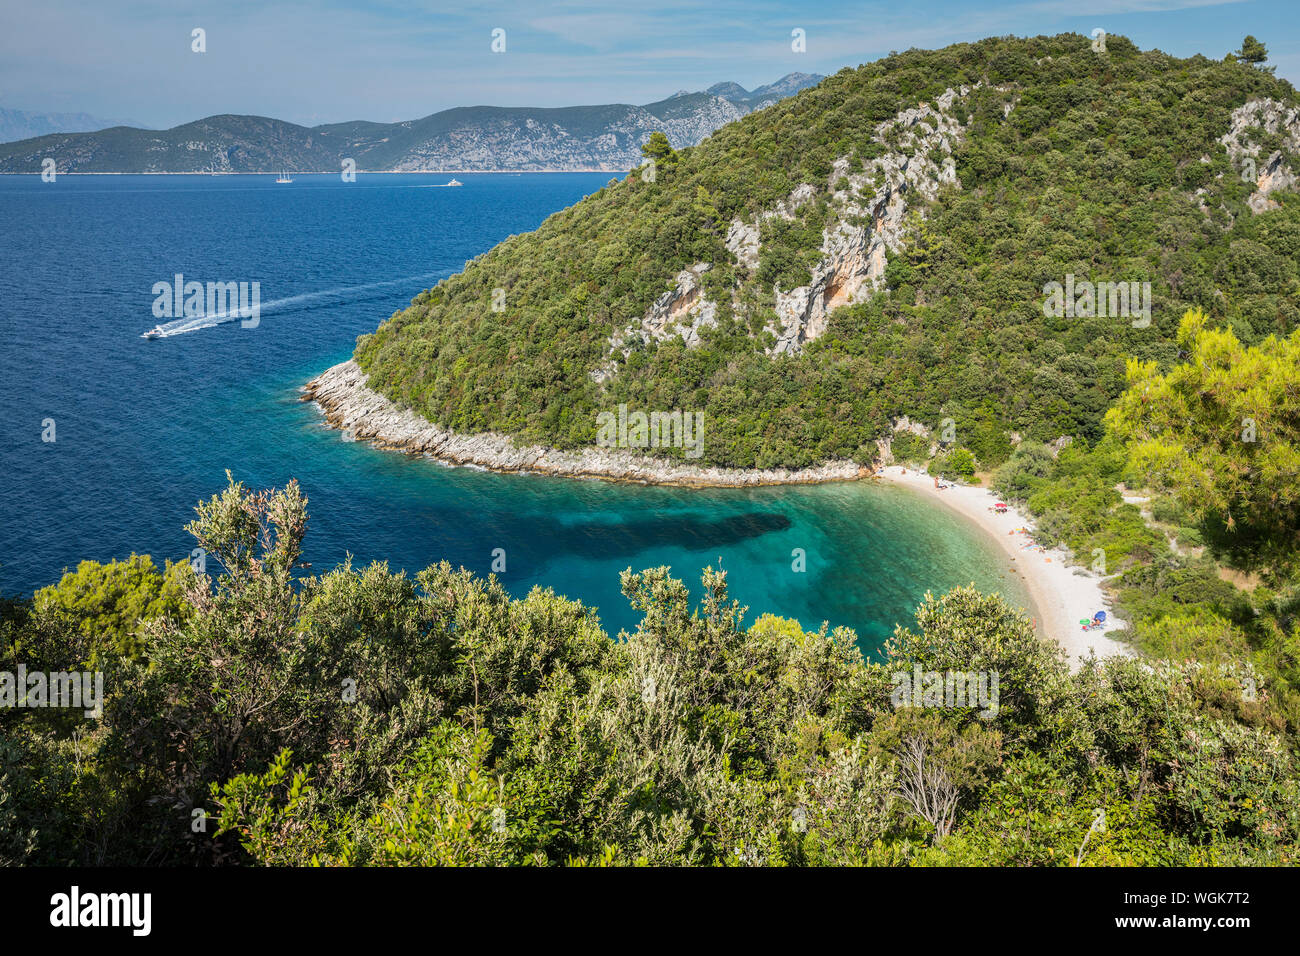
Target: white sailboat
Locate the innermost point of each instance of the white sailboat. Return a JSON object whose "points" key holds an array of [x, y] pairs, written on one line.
{"points": [[284, 177]]}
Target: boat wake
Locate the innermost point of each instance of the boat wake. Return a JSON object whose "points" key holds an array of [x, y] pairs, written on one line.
{"points": [[345, 295]]}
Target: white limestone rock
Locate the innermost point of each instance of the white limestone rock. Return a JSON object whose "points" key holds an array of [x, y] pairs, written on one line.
{"points": [[1272, 117]]}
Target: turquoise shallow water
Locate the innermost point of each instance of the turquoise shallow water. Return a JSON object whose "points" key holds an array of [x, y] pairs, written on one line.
{"points": [[144, 429]]}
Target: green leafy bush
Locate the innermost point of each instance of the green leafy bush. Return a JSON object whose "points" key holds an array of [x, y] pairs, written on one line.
{"points": [[958, 463], [910, 448]]}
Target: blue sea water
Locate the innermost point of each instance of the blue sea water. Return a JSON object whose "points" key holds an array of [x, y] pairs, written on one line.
{"points": [[144, 429]]}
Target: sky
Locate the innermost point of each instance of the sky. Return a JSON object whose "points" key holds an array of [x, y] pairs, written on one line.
{"points": [[321, 61]]}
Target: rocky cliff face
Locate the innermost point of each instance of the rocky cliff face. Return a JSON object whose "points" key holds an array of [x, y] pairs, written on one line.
{"points": [[682, 311], [870, 202], [870, 212], [1250, 122]]}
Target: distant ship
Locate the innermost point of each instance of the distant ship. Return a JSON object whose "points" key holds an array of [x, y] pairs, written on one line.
{"points": [[284, 177], [455, 182], [155, 333]]}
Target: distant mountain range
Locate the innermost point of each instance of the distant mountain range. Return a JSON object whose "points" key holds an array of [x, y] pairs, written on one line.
{"points": [[483, 138], [24, 124]]}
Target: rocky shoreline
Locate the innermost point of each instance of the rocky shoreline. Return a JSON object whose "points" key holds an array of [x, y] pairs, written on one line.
{"points": [[352, 407]]}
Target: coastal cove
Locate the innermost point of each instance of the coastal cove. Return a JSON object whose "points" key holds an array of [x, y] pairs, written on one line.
{"points": [[146, 429], [892, 468], [870, 550], [1055, 593]]}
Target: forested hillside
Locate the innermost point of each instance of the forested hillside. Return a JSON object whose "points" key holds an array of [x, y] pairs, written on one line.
{"points": [[878, 246]]}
